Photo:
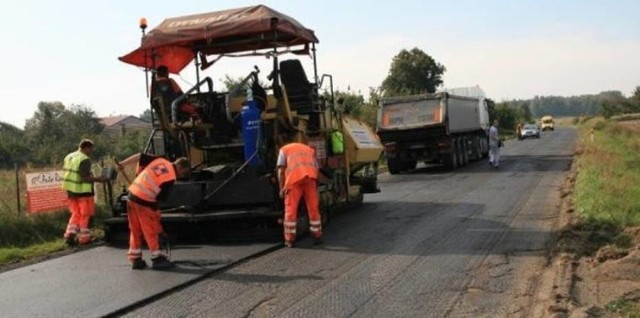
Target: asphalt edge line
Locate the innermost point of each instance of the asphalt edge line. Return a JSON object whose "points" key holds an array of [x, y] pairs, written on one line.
{"points": [[171, 290], [553, 297]]}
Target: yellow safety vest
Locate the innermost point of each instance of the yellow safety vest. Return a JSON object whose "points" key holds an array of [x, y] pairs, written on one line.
{"points": [[72, 181]]}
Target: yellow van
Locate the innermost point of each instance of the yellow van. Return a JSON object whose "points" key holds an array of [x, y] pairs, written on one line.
{"points": [[546, 123]]}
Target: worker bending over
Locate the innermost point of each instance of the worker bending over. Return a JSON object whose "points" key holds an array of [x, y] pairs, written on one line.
{"points": [[151, 185], [298, 178]]}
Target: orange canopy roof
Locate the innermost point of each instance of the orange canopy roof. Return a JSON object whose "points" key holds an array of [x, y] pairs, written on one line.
{"points": [[175, 41]]}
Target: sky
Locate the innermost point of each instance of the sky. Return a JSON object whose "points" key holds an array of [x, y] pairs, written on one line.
{"points": [[67, 50]]}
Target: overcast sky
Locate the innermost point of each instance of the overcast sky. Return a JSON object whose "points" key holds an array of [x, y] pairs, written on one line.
{"points": [[67, 50]]}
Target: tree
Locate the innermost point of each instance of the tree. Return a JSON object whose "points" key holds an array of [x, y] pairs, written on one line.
{"points": [[352, 103], [634, 100], [525, 113], [146, 115], [507, 115], [12, 146], [613, 103], [413, 72], [55, 130]]}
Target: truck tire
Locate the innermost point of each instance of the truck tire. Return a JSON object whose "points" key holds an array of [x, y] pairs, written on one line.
{"points": [[451, 159], [465, 151], [394, 165], [460, 152], [477, 146]]}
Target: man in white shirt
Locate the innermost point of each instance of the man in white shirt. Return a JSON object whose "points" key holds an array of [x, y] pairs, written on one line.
{"points": [[494, 145]]}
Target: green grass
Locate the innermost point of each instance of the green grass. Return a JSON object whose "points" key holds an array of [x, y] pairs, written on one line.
{"points": [[23, 237], [608, 182], [16, 254], [622, 307]]}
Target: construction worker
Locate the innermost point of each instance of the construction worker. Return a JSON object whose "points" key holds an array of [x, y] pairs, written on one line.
{"points": [[150, 186], [141, 160], [78, 183], [298, 177], [494, 145], [168, 88], [519, 131]]}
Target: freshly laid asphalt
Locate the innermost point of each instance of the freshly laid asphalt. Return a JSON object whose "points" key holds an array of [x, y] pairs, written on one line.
{"points": [[463, 243], [99, 281]]}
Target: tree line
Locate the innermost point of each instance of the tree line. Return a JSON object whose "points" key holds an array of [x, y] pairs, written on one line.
{"points": [[55, 129]]}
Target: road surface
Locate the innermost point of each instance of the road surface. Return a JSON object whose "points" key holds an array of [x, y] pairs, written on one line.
{"points": [[471, 242]]}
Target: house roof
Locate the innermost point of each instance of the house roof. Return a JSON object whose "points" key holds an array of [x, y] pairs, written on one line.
{"points": [[115, 120]]}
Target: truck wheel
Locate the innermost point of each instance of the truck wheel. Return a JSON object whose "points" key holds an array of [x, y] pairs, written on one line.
{"points": [[460, 152], [465, 152], [485, 148], [478, 148], [451, 159], [394, 165]]}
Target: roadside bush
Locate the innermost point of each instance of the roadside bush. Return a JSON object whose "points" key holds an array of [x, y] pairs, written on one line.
{"points": [[600, 125], [586, 119], [575, 120]]}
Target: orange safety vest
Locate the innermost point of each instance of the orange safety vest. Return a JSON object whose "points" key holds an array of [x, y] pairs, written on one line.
{"points": [[147, 184], [301, 163]]}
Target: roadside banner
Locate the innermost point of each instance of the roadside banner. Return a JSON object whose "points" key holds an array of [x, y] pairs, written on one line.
{"points": [[44, 192]]}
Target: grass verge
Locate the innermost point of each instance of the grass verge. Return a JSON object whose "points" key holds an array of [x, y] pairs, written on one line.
{"points": [[24, 237], [626, 306], [608, 182]]}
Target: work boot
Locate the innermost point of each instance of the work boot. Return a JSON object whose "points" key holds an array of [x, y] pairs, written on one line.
{"points": [[138, 263], [161, 262], [70, 239]]}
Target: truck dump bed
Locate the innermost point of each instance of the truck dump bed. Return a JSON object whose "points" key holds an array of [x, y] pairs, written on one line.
{"points": [[455, 113]]}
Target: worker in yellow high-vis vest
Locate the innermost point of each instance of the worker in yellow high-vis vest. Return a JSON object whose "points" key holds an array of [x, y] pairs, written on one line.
{"points": [[78, 183]]}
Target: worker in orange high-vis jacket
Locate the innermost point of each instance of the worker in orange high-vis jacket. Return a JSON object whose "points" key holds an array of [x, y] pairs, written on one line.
{"points": [[298, 178], [78, 183], [168, 88], [150, 186]]}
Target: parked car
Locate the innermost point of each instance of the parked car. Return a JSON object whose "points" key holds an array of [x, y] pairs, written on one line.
{"points": [[530, 131]]}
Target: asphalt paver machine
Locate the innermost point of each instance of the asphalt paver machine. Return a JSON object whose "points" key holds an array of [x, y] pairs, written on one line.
{"points": [[234, 140]]}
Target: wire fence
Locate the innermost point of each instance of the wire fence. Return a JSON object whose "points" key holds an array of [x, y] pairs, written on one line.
{"points": [[12, 191], [13, 187]]}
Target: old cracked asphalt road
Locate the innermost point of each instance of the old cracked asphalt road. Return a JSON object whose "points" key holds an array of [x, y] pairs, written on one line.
{"points": [[466, 243]]}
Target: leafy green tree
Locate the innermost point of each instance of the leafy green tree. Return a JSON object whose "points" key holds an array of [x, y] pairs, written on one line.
{"points": [[351, 103], [413, 72], [55, 130], [12, 146], [525, 113], [507, 115], [146, 115]]}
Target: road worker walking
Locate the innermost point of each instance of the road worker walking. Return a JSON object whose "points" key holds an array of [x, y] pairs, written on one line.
{"points": [[78, 183], [298, 178], [151, 185]]}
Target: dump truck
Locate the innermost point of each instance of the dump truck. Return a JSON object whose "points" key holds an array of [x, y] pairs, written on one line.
{"points": [[234, 143], [433, 128]]}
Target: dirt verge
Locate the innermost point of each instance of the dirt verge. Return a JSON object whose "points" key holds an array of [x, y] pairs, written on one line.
{"points": [[594, 270]]}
